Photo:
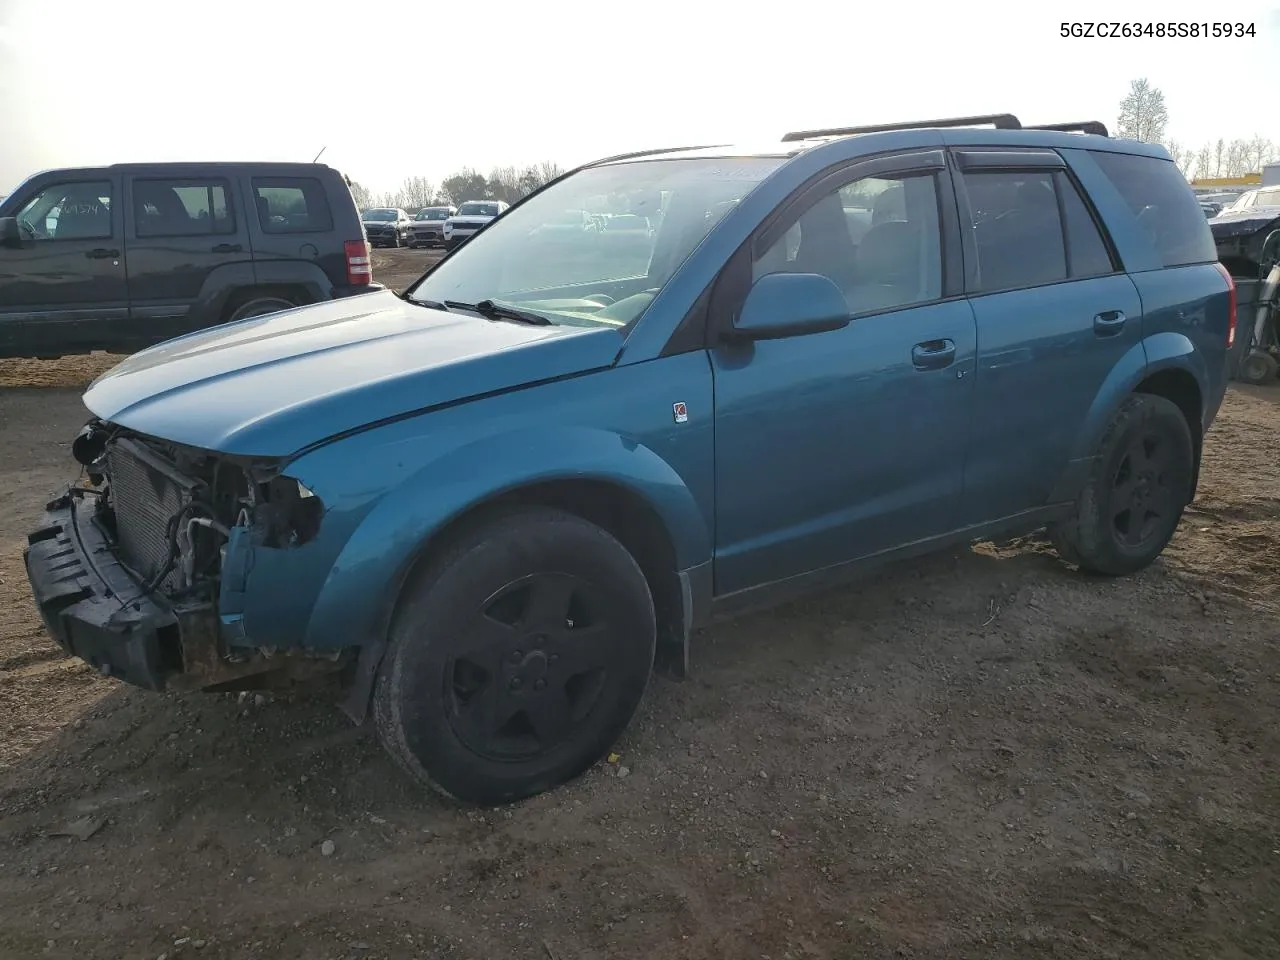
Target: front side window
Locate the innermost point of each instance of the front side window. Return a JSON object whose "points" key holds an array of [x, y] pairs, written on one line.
{"points": [[596, 277], [68, 211], [180, 208], [878, 239]]}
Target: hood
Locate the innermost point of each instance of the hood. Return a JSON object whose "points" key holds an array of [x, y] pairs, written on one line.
{"points": [[1236, 223], [270, 386]]}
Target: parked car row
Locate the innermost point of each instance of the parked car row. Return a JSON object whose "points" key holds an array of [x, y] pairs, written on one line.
{"points": [[435, 226]]}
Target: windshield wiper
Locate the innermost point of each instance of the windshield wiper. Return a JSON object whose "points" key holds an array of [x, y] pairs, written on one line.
{"points": [[487, 309], [492, 310]]}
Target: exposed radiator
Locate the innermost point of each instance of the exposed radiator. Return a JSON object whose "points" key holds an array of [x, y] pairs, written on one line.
{"points": [[146, 494]]}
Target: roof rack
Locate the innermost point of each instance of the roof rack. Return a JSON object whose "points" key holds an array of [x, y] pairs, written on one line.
{"points": [[649, 153], [1001, 121], [1095, 127]]}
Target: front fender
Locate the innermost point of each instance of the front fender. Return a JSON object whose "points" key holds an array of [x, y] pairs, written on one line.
{"points": [[396, 486], [367, 575]]}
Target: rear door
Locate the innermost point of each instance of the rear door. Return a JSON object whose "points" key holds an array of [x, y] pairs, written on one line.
{"points": [[66, 289], [1054, 314], [181, 230]]}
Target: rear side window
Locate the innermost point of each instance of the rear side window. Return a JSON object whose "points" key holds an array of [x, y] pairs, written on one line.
{"points": [[1162, 200], [1086, 249], [291, 205], [1017, 229], [181, 208]]}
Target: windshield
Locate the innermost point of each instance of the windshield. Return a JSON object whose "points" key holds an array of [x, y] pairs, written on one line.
{"points": [[478, 210], [379, 214], [433, 215], [589, 276]]}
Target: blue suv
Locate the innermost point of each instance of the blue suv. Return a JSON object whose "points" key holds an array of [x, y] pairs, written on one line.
{"points": [[484, 508]]}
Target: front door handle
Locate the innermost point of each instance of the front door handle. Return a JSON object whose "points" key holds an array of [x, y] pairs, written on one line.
{"points": [[101, 254], [228, 248], [1108, 323], [933, 354]]}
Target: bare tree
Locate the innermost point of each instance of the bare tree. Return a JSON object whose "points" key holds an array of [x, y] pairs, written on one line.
{"points": [[1143, 114], [504, 184], [361, 194], [414, 193], [1183, 157], [466, 184]]}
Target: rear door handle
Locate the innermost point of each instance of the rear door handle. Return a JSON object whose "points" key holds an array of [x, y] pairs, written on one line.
{"points": [[1108, 323], [933, 354], [228, 248], [101, 254]]}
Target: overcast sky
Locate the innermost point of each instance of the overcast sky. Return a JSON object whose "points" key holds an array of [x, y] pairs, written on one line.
{"points": [[395, 88]]}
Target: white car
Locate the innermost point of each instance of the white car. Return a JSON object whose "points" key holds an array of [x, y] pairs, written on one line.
{"points": [[471, 216]]}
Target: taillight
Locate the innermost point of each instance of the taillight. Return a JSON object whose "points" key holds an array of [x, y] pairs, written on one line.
{"points": [[1231, 305], [359, 263]]}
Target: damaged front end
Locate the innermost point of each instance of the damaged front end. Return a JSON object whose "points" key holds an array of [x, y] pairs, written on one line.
{"points": [[141, 570]]}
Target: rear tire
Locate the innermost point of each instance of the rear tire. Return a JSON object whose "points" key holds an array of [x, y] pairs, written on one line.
{"points": [[1137, 489], [259, 307], [517, 657]]}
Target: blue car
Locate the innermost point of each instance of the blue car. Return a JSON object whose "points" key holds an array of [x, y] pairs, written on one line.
{"points": [[485, 508]]}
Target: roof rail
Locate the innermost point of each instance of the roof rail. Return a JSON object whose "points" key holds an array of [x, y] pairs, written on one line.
{"points": [[1096, 127], [649, 153], [1001, 121]]}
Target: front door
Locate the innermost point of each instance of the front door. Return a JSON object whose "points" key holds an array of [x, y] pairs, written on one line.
{"points": [[841, 445], [180, 232], [65, 290]]}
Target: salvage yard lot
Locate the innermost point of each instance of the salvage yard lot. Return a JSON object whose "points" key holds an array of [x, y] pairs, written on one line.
{"points": [[978, 755]]}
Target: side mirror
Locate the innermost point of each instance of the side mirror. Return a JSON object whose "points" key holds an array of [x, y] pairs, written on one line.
{"points": [[12, 235], [781, 305]]}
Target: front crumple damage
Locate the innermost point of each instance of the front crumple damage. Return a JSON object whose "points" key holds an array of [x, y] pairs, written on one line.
{"points": [[232, 546]]}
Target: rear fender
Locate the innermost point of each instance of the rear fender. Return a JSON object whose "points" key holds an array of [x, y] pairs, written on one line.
{"points": [[226, 281], [1161, 351]]}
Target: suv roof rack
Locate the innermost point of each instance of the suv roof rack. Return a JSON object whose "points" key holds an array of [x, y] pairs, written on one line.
{"points": [[1001, 121], [635, 154], [1095, 127]]}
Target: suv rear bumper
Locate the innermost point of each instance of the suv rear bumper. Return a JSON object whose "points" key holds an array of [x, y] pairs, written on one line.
{"points": [[91, 605]]}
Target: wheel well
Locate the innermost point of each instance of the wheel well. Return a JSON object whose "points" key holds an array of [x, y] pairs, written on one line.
{"points": [[1181, 389], [294, 294], [627, 516]]}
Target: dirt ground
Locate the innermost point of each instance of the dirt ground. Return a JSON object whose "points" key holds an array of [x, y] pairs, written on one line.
{"points": [[981, 755]]}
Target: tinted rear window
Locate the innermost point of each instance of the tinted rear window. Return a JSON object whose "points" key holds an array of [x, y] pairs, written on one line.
{"points": [[1162, 200], [292, 205]]}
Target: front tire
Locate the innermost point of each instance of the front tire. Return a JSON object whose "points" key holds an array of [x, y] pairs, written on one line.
{"points": [[1135, 494], [517, 657]]}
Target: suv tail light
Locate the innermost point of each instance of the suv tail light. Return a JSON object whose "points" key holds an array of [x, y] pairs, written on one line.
{"points": [[360, 264], [1231, 304]]}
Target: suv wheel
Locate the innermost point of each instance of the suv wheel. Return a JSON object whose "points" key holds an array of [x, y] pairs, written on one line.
{"points": [[258, 307], [516, 658], [1134, 497]]}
